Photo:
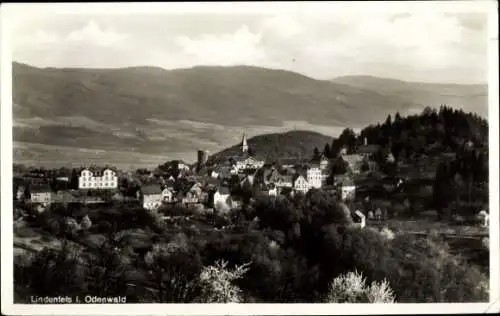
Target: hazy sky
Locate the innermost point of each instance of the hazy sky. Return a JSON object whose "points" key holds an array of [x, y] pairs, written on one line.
{"points": [[426, 43]]}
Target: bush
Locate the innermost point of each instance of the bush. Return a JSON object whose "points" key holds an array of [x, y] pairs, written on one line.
{"points": [[217, 283], [352, 288]]}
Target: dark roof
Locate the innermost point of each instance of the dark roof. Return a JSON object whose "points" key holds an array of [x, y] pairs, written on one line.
{"points": [[297, 175], [223, 190], [40, 188], [368, 149], [151, 189], [287, 161]]}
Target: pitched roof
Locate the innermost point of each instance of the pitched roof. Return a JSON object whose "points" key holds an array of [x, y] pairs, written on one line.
{"points": [[223, 190], [368, 149], [40, 188], [297, 176], [347, 182], [151, 188], [96, 170]]}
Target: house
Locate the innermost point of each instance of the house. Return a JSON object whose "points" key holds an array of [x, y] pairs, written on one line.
{"points": [[183, 167], [359, 219], [272, 190], [484, 217], [287, 162], [167, 195], [347, 189], [169, 184], [300, 184], [41, 194], [314, 176], [354, 162], [323, 162], [246, 162], [194, 194], [96, 178], [152, 196], [221, 198], [368, 150]]}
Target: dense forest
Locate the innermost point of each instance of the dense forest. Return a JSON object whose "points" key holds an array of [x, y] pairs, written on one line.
{"points": [[448, 146]]}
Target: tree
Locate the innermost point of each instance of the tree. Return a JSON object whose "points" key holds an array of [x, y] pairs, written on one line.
{"points": [[174, 268], [348, 138], [388, 121], [352, 288], [339, 166], [316, 154], [73, 182], [218, 283], [327, 151]]}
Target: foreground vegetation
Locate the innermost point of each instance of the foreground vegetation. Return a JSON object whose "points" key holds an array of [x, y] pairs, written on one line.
{"points": [[302, 249]]}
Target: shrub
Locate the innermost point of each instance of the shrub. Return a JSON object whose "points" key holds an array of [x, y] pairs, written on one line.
{"points": [[217, 283], [352, 288]]}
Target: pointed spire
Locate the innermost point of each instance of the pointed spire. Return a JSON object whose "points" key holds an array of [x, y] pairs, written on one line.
{"points": [[244, 144]]}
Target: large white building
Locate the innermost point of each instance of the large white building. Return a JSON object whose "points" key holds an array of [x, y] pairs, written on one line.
{"points": [[92, 178], [317, 174], [315, 177]]}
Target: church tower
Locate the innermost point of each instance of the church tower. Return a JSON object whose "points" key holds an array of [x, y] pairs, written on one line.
{"points": [[244, 144]]}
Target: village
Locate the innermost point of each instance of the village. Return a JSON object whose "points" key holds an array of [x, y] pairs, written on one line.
{"points": [[204, 185]]}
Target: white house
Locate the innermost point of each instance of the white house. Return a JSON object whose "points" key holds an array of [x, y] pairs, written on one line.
{"points": [[242, 163], [361, 220], [93, 178], [314, 177], [183, 167], [222, 198], [300, 184], [484, 216], [152, 196], [167, 195], [41, 194], [272, 190], [347, 189], [323, 163]]}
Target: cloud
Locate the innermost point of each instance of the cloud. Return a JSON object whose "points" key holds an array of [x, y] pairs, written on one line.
{"points": [[240, 47], [93, 34]]}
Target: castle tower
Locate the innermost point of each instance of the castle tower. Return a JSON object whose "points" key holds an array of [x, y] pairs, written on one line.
{"points": [[244, 144]]}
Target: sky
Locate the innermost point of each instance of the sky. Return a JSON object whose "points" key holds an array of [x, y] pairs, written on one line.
{"points": [[428, 42]]}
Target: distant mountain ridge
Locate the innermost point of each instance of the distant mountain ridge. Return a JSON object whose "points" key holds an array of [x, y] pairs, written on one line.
{"points": [[174, 112], [470, 97]]}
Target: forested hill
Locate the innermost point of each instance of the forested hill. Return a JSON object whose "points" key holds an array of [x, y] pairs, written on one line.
{"points": [[433, 132], [270, 147]]}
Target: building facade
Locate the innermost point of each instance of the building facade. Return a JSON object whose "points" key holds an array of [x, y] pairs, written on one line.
{"points": [[301, 185], [92, 178], [315, 177]]}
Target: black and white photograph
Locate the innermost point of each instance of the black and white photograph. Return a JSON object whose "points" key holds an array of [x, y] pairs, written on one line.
{"points": [[199, 154]]}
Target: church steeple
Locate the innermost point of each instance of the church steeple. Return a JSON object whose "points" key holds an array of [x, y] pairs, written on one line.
{"points": [[244, 144]]}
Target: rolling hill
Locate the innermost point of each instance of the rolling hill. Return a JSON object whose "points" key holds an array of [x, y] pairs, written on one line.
{"points": [[471, 98], [171, 113]]}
